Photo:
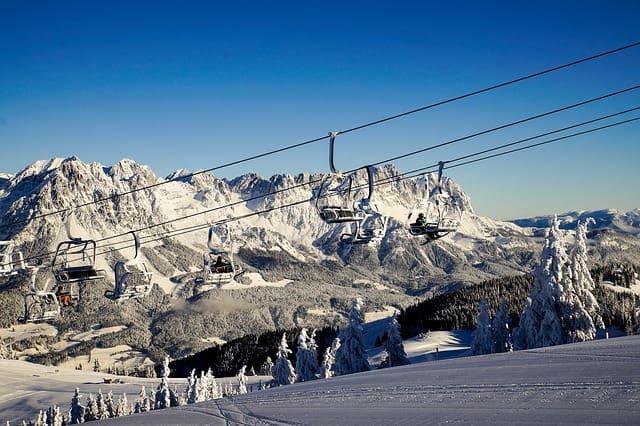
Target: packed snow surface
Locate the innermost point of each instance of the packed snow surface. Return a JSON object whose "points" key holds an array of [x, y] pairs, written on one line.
{"points": [[596, 382]]}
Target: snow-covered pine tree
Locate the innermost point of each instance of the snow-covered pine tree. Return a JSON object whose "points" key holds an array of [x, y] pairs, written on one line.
{"points": [[163, 398], [122, 407], [581, 278], [54, 417], [143, 404], [481, 343], [109, 405], [329, 359], [547, 289], [500, 339], [41, 420], [394, 346], [267, 367], [76, 412], [101, 406], [242, 381], [91, 409], [214, 390], [283, 372], [192, 390], [306, 362], [202, 387], [351, 356]]}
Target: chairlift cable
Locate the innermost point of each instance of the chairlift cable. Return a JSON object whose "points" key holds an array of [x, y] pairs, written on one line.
{"points": [[382, 182], [352, 129]]}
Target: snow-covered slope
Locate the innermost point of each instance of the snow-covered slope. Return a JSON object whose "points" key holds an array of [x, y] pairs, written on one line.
{"points": [[595, 382]]}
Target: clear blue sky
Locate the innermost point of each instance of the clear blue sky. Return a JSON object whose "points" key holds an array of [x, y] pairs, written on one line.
{"points": [[196, 84]]}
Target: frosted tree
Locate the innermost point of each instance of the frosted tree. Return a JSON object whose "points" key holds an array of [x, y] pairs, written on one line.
{"points": [[306, 361], [165, 367], [267, 367], [351, 356], [122, 407], [101, 405], [394, 346], [214, 390], [329, 359], [583, 283], [482, 337], [142, 403], [163, 397], [500, 338], [283, 372], [54, 417], [109, 405], [192, 389], [41, 420], [313, 347], [242, 380], [555, 314], [91, 409], [76, 412]]}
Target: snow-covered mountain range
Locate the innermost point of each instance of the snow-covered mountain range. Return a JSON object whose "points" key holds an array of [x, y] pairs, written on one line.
{"points": [[288, 247]]}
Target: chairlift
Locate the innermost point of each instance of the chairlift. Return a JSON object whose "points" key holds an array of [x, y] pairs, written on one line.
{"points": [[11, 262], [74, 260], [132, 278], [218, 265], [437, 215], [335, 204], [40, 304], [333, 197], [373, 226]]}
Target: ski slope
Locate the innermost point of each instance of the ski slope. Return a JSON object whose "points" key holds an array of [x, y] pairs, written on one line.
{"points": [[595, 382]]}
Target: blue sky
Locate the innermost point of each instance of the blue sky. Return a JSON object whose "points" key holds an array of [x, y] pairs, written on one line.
{"points": [[197, 84]]}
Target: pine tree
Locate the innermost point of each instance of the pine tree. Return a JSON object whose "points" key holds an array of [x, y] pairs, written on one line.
{"points": [[351, 356], [163, 399], [267, 367], [540, 323], [122, 407], [101, 405], [214, 390], [54, 417], [394, 346], [142, 403], [192, 389], [306, 362], [329, 359], [482, 342], [76, 412], [91, 409], [41, 420], [283, 372], [582, 281], [242, 381], [500, 339], [109, 405]]}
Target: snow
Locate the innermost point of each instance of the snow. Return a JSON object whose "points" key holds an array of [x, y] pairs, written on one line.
{"points": [[585, 383]]}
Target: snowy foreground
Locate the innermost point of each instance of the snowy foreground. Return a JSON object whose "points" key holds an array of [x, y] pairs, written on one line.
{"points": [[596, 382], [587, 383]]}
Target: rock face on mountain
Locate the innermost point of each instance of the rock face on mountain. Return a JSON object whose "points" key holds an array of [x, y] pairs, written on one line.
{"points": [[297, 270]]}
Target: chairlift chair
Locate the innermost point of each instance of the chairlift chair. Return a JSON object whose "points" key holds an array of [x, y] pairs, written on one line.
{"points": [[373, 226], [441, 215], [132, 278], [11, 262], [74, 260], [40, 304], [218, 265]]}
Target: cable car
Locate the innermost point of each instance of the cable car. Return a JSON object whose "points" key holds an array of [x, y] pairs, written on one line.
{"points": [[11, 262], [132, 278], [74, 262], [437, 215], [40, 304], [218, 265]]}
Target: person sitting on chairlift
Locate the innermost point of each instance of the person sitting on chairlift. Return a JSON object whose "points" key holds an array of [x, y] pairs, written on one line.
{"points": [[421, 222], [64, 297], [220, 264]]}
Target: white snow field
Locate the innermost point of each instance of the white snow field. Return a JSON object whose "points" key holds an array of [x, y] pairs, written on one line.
{"points": [[596, 382]]}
